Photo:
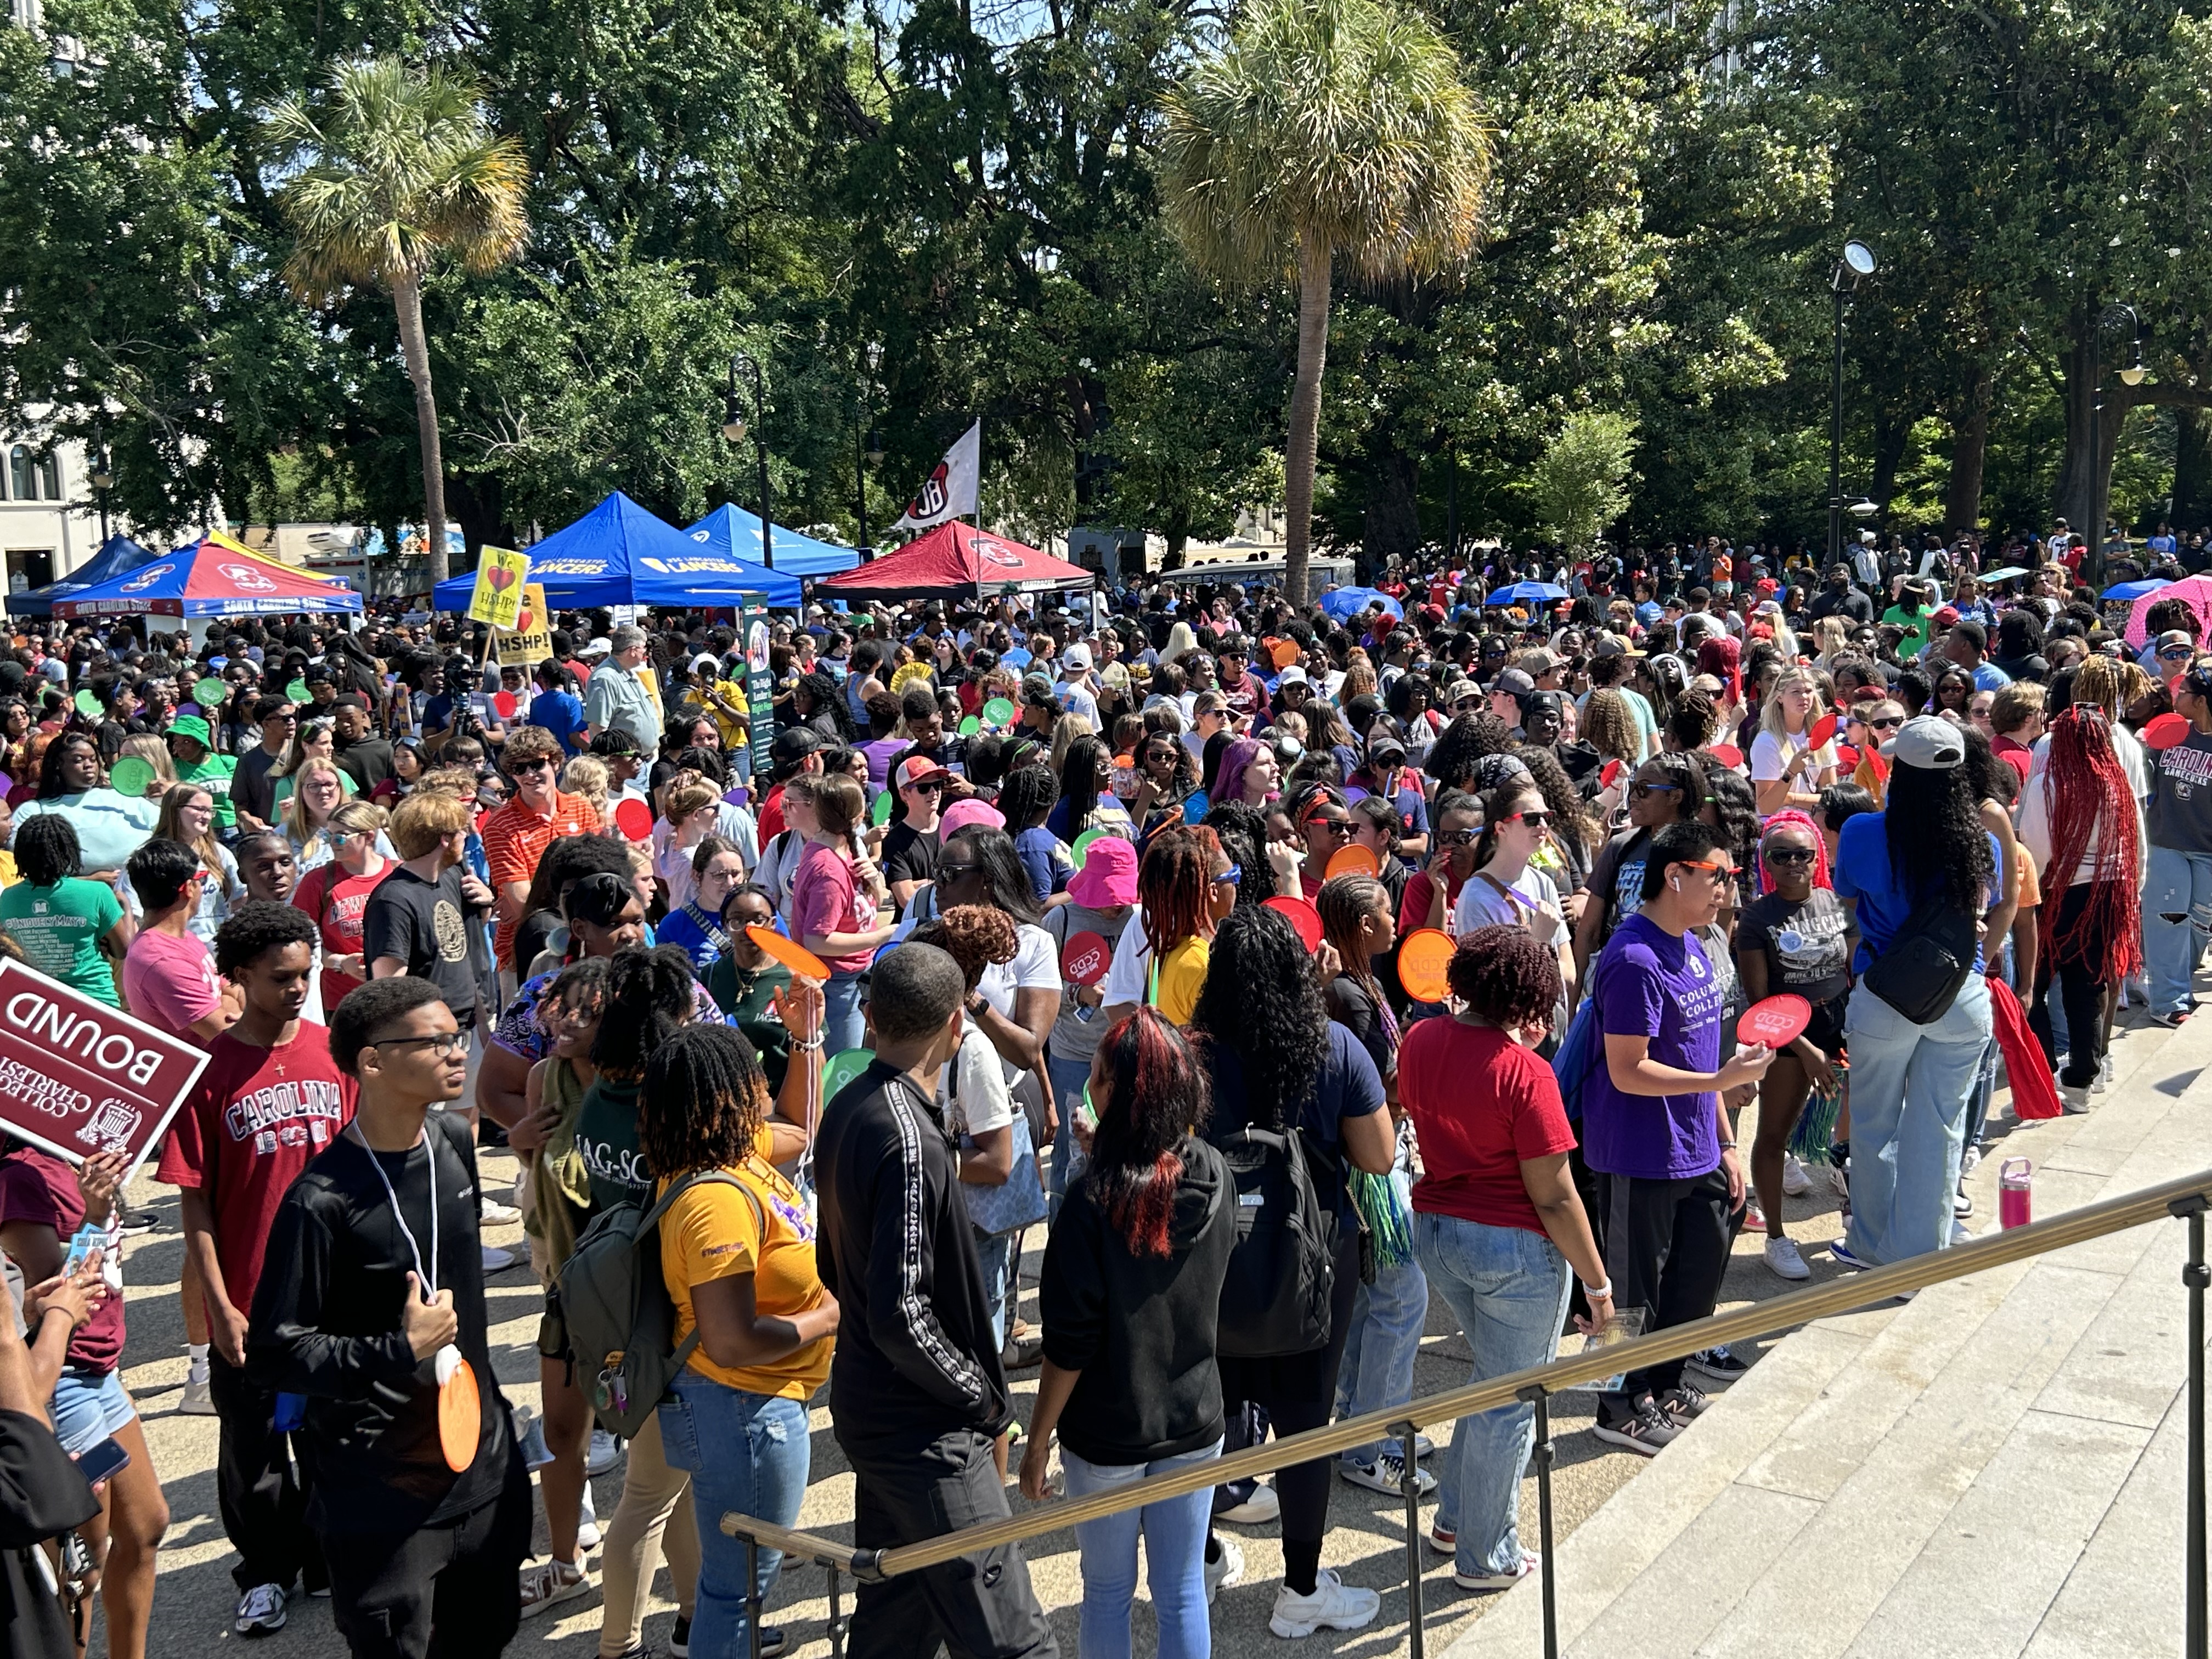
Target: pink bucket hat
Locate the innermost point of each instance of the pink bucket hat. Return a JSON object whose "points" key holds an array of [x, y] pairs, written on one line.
{"points": [[1109, 875]]}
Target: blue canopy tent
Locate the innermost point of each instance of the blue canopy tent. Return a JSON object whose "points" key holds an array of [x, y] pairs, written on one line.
{"points": [[736, 534], [117, 554], [620, 554], [2127, 593], [1345, 603], [1526, 593]]}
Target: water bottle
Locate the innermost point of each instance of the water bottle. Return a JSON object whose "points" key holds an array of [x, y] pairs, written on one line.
{"points": [[2013, 1209]]}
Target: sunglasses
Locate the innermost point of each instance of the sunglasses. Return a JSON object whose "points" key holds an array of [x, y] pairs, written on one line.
{"points": [[520, 768], [949, 872], [1458, 837], [1789, 856], [1342, 829], [928, 787], [2175, 652], [1230, 877], [1642, 790], [1533, 820], [1713, 869], [1886, 723]]}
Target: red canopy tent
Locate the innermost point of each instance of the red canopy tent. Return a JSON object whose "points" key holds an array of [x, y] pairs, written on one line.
{"points": [[958, 561]]}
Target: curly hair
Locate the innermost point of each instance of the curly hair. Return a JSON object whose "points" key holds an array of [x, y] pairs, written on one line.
{"points": [[1933, 826], [974, 935], [649, 998], [257, 925], [1242, 831], [1570, 819], [1608, 727], [827, 694], [1261, 1001], [703, 1101], [1503, 975], [1693, 720], [1452, 758], [1735, 814]]}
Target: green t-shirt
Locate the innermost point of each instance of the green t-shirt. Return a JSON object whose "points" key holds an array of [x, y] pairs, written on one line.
{"points": [[60, 928], [744, 994], [1915, 624], [213, 772], [606, 1135]]}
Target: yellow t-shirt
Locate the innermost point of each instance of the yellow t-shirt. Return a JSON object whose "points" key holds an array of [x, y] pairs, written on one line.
{"points": [[1182, 976], [712, 1232]]}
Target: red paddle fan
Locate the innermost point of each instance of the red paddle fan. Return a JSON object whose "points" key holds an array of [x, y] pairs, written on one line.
{"points": [[1085, 958], [1303, 917], [1776, 1021], [1821, 730], [2166, 731]]}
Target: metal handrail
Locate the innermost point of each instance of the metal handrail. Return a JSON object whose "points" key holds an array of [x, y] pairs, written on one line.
{"points": [[1675, 1342]]}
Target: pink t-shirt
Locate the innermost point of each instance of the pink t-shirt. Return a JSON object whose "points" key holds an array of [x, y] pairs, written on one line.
{"points": [[170, 981], [823, 900]]}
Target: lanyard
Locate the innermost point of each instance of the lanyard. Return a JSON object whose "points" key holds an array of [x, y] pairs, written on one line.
{"points": [[428, 1276]]}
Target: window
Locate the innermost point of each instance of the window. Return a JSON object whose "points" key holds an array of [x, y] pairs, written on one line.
{"points": [[19, 474], [50, 477]]}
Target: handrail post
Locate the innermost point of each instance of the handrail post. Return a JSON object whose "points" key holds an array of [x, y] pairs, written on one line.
{"points": [[836, 1618], [1545, 1453], [752, 1593], [2196, 1276], [1409, 1485]]}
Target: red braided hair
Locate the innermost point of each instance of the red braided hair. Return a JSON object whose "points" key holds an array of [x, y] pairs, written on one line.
{"points": [[2087, 790], [1175, 884]]}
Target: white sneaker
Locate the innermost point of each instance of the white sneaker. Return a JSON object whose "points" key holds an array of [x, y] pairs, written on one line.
{"points": [[1333, 1604], [1530, 1562], [496, 1214], [587, 1525], [600, 1455], [1795, 1183], [1227, 1569], [546, 1584], [1387, 1473], [1969, 1160], [1262, 1507], [198, 1401], [1783, 1260], [260, 1611], [2074, 1099]]}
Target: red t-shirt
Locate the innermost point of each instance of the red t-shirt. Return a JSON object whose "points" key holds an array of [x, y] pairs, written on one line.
{"points": [[39, 1187], [338, 903], [771, 816], [1481, 1104], [2015, 753], [825, 900], [1414, 903], [250, 1124]]}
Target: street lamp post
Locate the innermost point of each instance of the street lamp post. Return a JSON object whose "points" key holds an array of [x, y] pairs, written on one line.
{"points": [[103, 480], [1858, 261], [733, 429]]}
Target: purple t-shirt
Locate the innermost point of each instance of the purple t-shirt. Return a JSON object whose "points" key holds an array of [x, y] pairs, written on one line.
{"points": [[1651, 984]]}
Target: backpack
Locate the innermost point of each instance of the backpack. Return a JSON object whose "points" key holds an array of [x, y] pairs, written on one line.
{"points": [[620, 1320], [1282, 1268]]}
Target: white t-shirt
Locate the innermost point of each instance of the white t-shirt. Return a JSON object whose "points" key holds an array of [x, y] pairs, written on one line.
{"points": [[979, 1101], [1036, 966], [1481, 905], [1132, 959], [1770, 758], [2127, 748]]}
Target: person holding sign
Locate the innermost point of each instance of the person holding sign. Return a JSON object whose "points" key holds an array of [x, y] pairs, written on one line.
{"points": [[422, 1504]]}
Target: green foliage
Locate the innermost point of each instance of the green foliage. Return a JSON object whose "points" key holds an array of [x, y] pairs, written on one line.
{"points": [[1580, 483]]}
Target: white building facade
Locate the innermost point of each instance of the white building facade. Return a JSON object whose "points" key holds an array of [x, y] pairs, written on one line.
{"points": [[42, 535]]}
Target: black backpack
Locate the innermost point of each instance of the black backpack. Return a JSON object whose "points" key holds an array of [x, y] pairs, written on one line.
{"points": [[1283, 1268]]}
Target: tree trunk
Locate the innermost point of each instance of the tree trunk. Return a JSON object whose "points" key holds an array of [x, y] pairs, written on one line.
{"points": [[1301, 453], [2192, 468], [1970, 444], [1393, 513], [1893, 433], [407, 301], [2079, 479]]}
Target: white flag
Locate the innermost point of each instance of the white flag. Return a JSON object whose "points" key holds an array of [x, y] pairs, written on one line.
{"points": [[948, 492]]}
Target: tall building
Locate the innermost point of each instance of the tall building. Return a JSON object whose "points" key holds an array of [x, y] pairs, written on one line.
{"points": [[41, 536]]}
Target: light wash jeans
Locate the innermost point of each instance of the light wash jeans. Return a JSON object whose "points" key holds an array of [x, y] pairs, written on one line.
{"points": [[1508, 1289], [1068, 1078], [1910, 1088], [2177, 885], [994, 1255], [1378, 1356], [759, 1468], [843, 1025], [1175, 1559]]}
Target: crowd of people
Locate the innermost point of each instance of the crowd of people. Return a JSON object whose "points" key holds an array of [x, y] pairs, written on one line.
{"points": [[1258, 973]]}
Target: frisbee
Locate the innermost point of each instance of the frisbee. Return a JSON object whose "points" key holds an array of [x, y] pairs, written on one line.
{"points": [[1422, 955], [1820, 730], [506, 703], [1774, 1022], [87, 703], [880, 813], [1081, 850], [460, 1412], [792, 954], [1610, 775], [2166, 732], [297, 692], [1303, 917], [210, 692], [971, 725], [1283, 652], [998, 712], [633, 818], [1727, 754], [1085, 958], [840, 1069], [1353, 861], [131, 776]]}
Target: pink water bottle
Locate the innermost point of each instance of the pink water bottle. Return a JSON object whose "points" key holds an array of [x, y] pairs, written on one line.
{"points": [[2013, 1206]]}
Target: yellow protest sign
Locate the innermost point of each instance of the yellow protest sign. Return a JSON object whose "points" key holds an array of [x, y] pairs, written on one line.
{"points": [[497, 598], [531, 641]]}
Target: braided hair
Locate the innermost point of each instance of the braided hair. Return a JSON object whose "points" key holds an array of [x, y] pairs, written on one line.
{"points": [[1158, 1093], [1027, 795], [703, 1101], [1078, 781], [1175, 886], [2089, 800], [46, 849], [1345, 904], [649, 998]]}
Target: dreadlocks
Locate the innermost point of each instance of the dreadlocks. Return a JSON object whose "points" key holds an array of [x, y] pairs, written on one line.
{"points": [[703, 1101], [2092, 815], [1174, 885]]}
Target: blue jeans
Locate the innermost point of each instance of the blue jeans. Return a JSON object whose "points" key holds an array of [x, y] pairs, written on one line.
{"points": [[759, 1468], [1378, 1356], [2176, 919], [1508, 1289], [1910, 1088], [1174, 1532], [994, 1255], [842, 1027], [1068, 1078]]}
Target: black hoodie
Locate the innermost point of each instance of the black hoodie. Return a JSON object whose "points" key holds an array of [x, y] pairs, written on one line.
{"points": [[1140, 1328]]}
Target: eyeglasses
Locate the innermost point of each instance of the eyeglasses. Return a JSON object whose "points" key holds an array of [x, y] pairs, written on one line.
{"points": [[1230, 877], [446, 1043], [1789, 856]]}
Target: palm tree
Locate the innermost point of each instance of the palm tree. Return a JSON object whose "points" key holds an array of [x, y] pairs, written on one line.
{"points": [[395, 170], [1326, 129]]}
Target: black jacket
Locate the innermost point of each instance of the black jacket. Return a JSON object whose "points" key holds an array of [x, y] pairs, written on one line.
{"points": [[916, 1356], [1140, 1328], [325, 1324]]}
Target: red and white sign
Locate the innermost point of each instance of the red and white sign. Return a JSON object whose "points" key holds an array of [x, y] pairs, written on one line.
{"points": [[1086, 957], [77, 1077]]}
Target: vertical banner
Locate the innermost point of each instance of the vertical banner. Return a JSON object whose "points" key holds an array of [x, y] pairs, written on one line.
{"points": [[760, 683], [497, 597], [531, 641]]}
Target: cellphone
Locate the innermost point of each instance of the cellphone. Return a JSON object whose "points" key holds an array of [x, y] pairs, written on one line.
{"points": [[104, 1462], [87, 1239]]}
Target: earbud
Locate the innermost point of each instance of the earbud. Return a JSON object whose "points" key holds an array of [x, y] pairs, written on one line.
{"points": [[1675, 882]]}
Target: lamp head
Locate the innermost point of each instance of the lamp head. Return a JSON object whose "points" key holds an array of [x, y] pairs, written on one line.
{"points": [[1860, 257], [733, 421]]}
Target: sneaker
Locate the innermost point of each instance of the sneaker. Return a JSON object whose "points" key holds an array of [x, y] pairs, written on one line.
{"points": [[130, 1223], [2174, 1021], [2104, 1072], [1530, 1562], [1262, 1507], [587, 1524], [679, 1638], [1643, 1434], [1683, 1402], [546, 1584], [536, 1453], [1387, 1474], [1024, 1348], [1333, 1604], [2074, 1099], [1961, 1234], [1970, 1160], [198, 1401], [600, 1455], [1718, 1366], [496, 1261], [1444, 1539], [1795, 1183], [1783, 1261], [496, 1214], [260, 1612], [1961, 1206], [1225, 1565], [1754, 1216], [1841, 1253]]}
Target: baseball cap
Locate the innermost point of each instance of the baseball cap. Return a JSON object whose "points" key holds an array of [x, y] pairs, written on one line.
{"points": [[1293, 675], [1514, 681], [916, 768], [1076, 659], [1382, 739], [599, 647], [2175, 638], [1611, 645], [1929, 742], [794, 742], [1947, 616], [1109, 875]]}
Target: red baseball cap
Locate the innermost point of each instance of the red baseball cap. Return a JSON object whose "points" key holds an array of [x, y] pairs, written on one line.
{"points": [[918, 768]]}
